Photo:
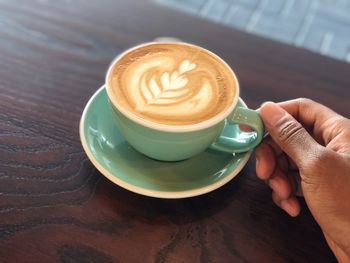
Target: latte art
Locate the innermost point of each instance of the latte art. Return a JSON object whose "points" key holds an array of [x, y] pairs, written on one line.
{"points": [[169, 93], [170, 90], [172, 84]]}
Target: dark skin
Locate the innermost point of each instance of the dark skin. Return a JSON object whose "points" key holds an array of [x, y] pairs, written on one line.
{"points": [[308, 151]]}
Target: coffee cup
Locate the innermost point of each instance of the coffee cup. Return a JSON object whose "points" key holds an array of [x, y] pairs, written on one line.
{"points": [[173, 100]]}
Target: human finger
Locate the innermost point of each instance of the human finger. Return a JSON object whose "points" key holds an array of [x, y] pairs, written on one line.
{"points": [[291, 205], [265, 161], [312, 114], [280, 184], [288, 133]]}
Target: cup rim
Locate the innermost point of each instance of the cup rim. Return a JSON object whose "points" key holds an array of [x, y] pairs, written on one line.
{"points": [[166, 127]]}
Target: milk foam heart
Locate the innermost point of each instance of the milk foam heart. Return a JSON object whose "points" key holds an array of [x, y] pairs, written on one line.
{"points": [[172, 83]]}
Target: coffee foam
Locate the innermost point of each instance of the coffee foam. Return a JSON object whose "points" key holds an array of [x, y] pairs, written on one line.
{"points": [[172, 84]]}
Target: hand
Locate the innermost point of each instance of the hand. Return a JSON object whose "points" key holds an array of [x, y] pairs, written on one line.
{"points": [[309, 147]]}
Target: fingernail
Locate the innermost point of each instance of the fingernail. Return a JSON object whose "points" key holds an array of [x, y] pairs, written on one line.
{"points": [[288, 207], [271, 113]]}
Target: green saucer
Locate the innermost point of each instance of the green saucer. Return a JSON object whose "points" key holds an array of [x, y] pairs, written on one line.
{"points": [[124, 166]]}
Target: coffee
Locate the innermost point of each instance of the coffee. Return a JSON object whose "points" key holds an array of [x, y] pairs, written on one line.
{"points": [[172, 83]]}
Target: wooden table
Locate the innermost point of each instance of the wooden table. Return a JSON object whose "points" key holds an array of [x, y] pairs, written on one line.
{"points": [[55, 206]]}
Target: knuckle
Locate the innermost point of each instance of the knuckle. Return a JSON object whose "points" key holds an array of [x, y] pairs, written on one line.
{"points": [[305, 101], [316, 161], [320, 157], [289, 130], [315, 168], [342, 123]]}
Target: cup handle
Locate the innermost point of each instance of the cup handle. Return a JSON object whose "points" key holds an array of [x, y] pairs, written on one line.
{"points": [[245, 141]]}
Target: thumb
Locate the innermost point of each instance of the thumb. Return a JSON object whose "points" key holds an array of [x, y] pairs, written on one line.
{"points": [[288, 133]]}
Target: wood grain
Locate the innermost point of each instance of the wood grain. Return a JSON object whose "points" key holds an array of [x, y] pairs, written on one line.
{"points": [[56, 207]]}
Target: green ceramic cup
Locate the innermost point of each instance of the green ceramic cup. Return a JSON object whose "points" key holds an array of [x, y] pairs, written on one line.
{"points": [[174, 143]]}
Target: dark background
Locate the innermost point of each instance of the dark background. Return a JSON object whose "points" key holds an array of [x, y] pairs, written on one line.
{"points": [[55, 206]]}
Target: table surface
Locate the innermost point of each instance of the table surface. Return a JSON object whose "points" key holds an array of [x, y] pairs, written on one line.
{"points": [[55, 206]]}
